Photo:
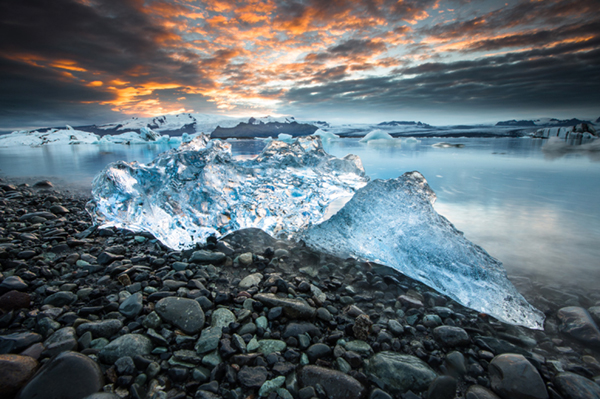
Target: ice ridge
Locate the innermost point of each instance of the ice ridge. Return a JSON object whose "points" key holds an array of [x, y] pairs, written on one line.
{"points": [[393, 222]]}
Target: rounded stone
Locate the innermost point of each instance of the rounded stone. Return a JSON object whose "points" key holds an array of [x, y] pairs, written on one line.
{"points": [[400, 373], [132, 306], [126, 345], [14, 300], [185, 314], [451, 336], [318, 351], [15, 371], [104, 328], [443, 387], [479, 392], [512, 376], [574, 386], [336, 384], [250, 281], [70, 375], [222, 317]]}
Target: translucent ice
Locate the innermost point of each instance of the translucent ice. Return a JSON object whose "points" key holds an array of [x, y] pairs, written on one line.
{"points": [[197, 190], [393, 222]]}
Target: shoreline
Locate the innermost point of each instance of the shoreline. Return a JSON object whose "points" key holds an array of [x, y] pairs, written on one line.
{"points": [[277, 319]]}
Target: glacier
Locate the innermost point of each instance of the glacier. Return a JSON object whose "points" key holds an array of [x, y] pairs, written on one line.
{"points": [[294, 190]]}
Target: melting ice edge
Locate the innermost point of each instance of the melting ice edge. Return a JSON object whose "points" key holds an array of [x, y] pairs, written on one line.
{"points": [[187, 194]]}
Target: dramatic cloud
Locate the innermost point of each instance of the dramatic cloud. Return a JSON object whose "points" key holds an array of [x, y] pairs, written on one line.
{"points": [[89, 61]]}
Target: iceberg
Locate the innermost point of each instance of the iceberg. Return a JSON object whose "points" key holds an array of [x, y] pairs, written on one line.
{"points": [[294, 190], [50, 137], [393, 222], [199, 189]]}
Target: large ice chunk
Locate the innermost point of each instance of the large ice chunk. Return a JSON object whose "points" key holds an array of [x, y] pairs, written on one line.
{"points": [[199, 189], [393, 222]]}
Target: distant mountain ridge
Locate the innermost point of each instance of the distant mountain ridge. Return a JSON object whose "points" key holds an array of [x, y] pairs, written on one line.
{"points": [[404, 123], [544, 122]]}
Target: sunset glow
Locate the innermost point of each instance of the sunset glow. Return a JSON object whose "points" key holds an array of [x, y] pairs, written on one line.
{"points": [[313, 59]]}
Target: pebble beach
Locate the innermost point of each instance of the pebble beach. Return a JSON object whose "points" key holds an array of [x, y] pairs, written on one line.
{"points": [[109, 313]]}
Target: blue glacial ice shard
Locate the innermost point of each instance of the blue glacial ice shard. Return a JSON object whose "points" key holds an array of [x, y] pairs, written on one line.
{"points": [[393, 222], [289, 190], [199, 189]]}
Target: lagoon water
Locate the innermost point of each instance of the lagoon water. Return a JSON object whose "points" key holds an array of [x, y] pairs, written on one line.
{"points": [[538, 214]]}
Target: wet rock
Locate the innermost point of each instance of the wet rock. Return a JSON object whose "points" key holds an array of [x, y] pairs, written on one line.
{"points": [[513, 376], [209, 340], [106, 258], [443, 387], [186, 314], [360, 347], [451, 336], [13, 283], [479, 392], [15, 371], [362, 327], [15, 300], [222, 317], [500, 346], [132, 306], [398, 373], [271, 386], [292, 308], [317, 351], [70, 375], [104, 328], [58, 209], [268, 346], [62, 340], [296, 329], [18, 341], [252, 377], [574, 386], [578, 323], [336, 384], [60, 299], [126, 345], [250, 281], [204, 256]]}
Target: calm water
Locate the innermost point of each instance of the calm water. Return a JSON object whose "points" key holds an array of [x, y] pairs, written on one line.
{"points": [[538, 215]]}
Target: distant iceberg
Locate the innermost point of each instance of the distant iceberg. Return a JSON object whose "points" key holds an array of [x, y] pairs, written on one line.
{"points": [[49, 137], [325, 136], [379, 137], [289, 190]]}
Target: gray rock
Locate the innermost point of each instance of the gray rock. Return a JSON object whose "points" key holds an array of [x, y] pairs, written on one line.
{"points": [[104, 328], [60, 299], [594, 311], [395, 327], [271, 386], [185, 314], [132, 306], [455, 364], [268, 346], [443, 387], [512, 376], [126, 345], [209, 340], [398, 373], [336, 384], [292, 308], [479, 392], [102, 395], [431, 320], [360, 347], [578, 323], [500, 346], [18, 341], [58, 209], [204, 256], [61, 341], [323, 314], [451, 336], [222, 317], [13, 283], [296, 329], [106, 258], [252, 377], [574, 386], [250, 281], [317, 351], [69, 375]]}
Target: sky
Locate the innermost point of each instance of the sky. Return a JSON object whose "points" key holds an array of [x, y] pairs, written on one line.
{"points": [[82, 62]]}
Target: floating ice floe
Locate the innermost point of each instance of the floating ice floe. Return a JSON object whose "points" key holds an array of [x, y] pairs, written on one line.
{"points": [[325, 136], [379, 137], [289, 190]]}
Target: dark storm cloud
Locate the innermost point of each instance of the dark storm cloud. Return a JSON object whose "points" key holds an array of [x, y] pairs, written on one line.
{"points": [[528, 79], [353, 48]]}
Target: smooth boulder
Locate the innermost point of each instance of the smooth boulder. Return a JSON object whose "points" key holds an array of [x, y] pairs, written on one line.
{"points": [[513, 377], [185, 314], [336, 384], [398, 373], [70, 375], [577, 322]]}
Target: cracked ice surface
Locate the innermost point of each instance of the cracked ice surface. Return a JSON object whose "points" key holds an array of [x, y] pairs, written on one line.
{"points": [[393, 222], [199, 189]]}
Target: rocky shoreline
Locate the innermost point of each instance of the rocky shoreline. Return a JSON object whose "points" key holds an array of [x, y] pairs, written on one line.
{"points": [[114, 314]]}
